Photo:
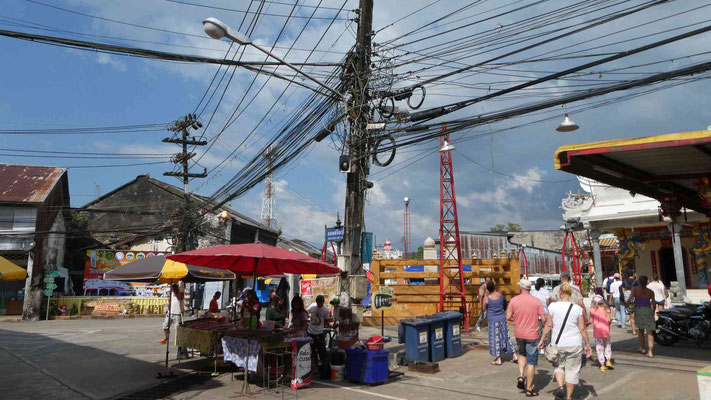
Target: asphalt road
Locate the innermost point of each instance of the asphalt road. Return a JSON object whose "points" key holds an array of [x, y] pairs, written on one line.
{"points": [[105, 359]]}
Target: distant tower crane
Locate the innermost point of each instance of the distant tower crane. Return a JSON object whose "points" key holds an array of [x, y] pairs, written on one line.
{"points": [[452, 295], [268, 215], [406, 229]]}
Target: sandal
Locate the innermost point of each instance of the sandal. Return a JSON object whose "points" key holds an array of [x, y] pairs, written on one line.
{"points": [[531, 393], [496, 363], [643, 351], [521, 384]]}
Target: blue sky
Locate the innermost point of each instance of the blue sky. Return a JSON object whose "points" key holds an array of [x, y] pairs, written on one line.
{"points": [[52, 87]]}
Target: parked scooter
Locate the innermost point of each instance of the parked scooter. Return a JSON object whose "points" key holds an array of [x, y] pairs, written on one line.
{"points": [[687, 322]]}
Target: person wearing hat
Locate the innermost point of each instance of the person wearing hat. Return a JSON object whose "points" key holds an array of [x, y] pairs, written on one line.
{"points": [[525, 310], [601, 320], [576, 297]]}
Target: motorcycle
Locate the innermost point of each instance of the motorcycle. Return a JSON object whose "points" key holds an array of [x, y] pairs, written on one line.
{"points": [[685, 322]]}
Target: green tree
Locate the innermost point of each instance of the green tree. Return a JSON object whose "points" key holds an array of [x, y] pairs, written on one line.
{"points": [[420, 253], [511, 227]]}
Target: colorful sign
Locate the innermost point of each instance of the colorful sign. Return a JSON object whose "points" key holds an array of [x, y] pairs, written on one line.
{"points": [[326, 287], [48, 292], [383, 299], [306, 287], [52, 274], [99, 262]]}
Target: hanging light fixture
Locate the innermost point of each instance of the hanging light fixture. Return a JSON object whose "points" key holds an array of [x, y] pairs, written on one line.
{"points": [[447, 147], [567, 125]]}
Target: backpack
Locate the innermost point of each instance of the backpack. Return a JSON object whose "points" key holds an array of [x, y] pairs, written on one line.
{"points": [[607, 286]]}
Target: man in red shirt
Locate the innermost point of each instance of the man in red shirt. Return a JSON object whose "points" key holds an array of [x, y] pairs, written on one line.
{"points": [[524, 310], [214, 306]]}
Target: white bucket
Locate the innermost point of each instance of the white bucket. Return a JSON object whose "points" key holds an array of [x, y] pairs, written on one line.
{"points": [[337, 372]]}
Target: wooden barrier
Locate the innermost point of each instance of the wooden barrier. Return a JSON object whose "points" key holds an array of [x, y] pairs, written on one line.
{"points": [[422, 299]]}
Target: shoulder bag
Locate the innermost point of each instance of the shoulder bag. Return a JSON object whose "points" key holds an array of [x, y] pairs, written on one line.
{"points": [[551, 351]]}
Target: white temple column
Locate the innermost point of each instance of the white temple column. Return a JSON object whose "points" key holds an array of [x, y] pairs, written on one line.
{"points": [[675, 229], [597, 257]]}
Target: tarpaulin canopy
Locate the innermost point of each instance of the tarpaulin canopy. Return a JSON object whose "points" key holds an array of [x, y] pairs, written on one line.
{"points": [[256, 259], [159, 268], [11, 272]]}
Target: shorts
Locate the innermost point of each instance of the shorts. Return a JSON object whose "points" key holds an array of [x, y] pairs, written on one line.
{"points": [[176, 320], [661, 303], [529, 349], [569, 363]]}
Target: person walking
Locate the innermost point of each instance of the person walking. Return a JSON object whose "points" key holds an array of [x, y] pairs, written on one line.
{"points": [[616, 299], [660, 293], [576, 297], [607, 283], [482, 294], [567, 324], [644, 306], [600, 315], [499, 340], [175, 314], [540, 292], [525, 310], [627, 285]]}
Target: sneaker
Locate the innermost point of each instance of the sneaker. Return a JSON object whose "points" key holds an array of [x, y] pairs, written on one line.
{"points": [[603, 369], [614, 320], [559, 393], [477, 328], [609, 365]]}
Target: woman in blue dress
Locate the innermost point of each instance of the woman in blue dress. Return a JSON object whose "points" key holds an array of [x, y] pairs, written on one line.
{"points": [[499, 340]]}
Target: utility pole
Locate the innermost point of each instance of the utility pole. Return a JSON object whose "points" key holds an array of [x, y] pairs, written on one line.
{"points": [[188, 214], [358, 110]]}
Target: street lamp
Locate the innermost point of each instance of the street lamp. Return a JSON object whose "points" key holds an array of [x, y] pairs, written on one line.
{"points": [[217, 29]]}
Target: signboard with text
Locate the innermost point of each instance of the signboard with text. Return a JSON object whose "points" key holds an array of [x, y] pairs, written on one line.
{"points": [[335, 234], [383, 299], [99, 262]]}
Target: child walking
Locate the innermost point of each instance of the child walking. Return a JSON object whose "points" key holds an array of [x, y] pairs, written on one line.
{"points": [[600, 315]]}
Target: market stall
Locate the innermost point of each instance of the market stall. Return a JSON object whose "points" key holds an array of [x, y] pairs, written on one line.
{"points": [[246, 348], [160, 269]]}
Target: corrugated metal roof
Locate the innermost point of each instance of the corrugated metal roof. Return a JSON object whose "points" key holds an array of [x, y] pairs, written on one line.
{"points": [[27, 183]]}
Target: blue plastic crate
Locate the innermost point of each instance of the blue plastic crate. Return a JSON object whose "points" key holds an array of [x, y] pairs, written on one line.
{"points": [[367, 366]]}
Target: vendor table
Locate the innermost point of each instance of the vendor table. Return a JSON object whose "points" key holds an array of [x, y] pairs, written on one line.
{"points": [[246, 348]]}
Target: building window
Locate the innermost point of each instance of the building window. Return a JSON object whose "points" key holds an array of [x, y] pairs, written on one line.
{"points": [[7, 218]]}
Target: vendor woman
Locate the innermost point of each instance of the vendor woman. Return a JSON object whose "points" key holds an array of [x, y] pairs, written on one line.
{"points": [[276, 311], [251, 306]]}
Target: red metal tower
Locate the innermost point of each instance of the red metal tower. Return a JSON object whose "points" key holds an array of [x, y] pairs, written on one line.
{"points": [[571, 253], [451, 275], [406, 229]]}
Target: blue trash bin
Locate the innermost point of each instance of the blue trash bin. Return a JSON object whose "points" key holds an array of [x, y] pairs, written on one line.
{"points": [[416, 337], [452, 333], [436, 331]]}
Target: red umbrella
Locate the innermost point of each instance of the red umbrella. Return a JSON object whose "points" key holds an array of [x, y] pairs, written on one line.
{"points": [[254, 259]]}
